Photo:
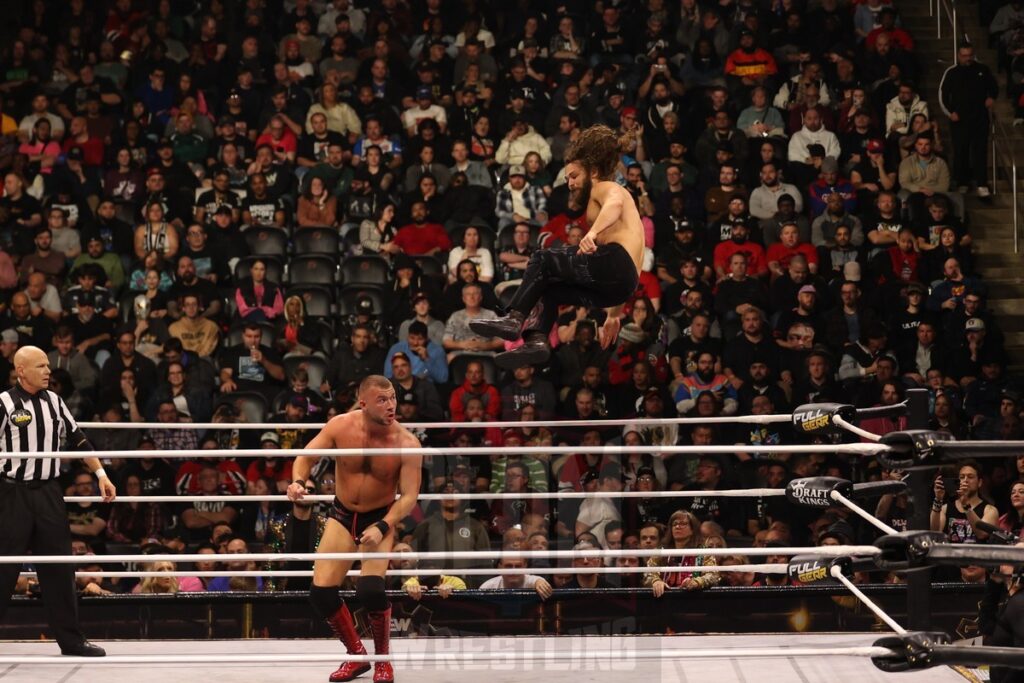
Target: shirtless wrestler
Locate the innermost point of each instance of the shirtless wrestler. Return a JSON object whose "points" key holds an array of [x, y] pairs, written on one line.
{"points": [[363, 516], [603, 272]]}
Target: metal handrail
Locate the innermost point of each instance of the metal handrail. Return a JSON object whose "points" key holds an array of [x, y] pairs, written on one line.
{"points": [[935, 8], [1002, 144], [1002, 147]]}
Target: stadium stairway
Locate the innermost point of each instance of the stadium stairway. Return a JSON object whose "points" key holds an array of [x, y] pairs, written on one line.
{"points": [[990, 220]]}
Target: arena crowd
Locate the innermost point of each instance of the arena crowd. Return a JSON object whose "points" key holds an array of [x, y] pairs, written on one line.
{"points": [[234, 211]]}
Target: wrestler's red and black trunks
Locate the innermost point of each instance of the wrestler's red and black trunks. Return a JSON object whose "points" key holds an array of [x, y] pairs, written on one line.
{"points": [[356, 522]]}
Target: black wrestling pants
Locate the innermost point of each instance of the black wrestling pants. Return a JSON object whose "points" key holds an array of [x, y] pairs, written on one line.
{"points": [[33, 517], [564, 276]]}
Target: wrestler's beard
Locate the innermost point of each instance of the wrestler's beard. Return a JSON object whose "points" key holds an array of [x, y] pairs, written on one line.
{"points": [[578, 199]]}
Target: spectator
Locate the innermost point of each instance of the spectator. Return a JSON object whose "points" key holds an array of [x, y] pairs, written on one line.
{"points": [[518, 202], [829, 182], [421, 238], [353, 361], [900, 109], [257, 298], [959, 515], [967, 94], [190, 403], [134, 522], [780, 253], [458, 338], [250, 365], [65, 356], [45, 259], [88, 521], [835, 216], [410, 388], [198, 335], [520, 140], [34, 329], [683, 531], [474, 386], [426, 357], [156, 234], [236, 546], [764, 200], [471, 250], [519, 580], [922, 174], [43, 297], [317, 207]]}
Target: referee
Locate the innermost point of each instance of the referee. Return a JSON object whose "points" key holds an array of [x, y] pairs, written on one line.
{"points": [[32, 512]]}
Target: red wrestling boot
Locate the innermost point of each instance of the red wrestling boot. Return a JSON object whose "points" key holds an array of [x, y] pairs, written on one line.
{"points": [[380, 626], [344, 627]]}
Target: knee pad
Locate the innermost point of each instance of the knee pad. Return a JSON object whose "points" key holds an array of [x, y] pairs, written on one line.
{"points": [[370, 593], [325, 600]]}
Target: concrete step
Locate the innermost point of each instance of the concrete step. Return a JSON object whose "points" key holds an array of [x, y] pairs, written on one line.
{"points": [[1001, 273], [1013, 324], [1006, 307]]}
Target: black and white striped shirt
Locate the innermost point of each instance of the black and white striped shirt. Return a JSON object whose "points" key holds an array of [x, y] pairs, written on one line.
{"points": [[32, 423]]}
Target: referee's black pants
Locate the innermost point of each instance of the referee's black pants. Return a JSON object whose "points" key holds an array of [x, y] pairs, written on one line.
{"points": [[33, 517]]}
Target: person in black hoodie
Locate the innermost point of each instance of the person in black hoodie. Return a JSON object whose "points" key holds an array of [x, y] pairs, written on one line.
{"points": [[967, 94]]}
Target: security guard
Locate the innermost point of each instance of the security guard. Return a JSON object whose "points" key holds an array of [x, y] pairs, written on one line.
{"points": [[32, 512]]}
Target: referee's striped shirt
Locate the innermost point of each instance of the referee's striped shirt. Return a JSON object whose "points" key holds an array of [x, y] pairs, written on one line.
{"points": [[32, 423]]}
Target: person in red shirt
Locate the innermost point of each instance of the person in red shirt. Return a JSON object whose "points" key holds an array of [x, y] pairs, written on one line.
{"points": [[270, 466], [232, 479], [79, 138], [900, 263], [887, 24], [751, 65], [475, 385], [788, 245], [556, 230], [757, 264], [421, 238], [281, 139]]}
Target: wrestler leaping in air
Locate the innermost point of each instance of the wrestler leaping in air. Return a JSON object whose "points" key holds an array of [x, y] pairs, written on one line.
{"points": [[602, 272], [364, 515]]}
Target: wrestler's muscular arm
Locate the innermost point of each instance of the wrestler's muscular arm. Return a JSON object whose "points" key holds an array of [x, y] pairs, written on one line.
{"points": [[408, 489], [303, 464]]}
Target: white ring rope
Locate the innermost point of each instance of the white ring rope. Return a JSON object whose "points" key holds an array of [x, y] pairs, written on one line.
{"points": [[468, 571], [821, 551], [864, 514], [500, 424], [571, 495], [854, 429], [850, 448], [448, 657], [837, 573]]}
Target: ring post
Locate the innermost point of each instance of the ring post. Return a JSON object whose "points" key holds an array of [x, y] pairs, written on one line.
{"points": [[919, 580]]}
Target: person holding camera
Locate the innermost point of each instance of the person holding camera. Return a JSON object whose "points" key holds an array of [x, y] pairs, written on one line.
{"points": [[959, 517]]}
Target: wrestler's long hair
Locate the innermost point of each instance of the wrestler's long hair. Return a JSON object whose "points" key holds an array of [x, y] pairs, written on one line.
{"points": [[596, 149]]}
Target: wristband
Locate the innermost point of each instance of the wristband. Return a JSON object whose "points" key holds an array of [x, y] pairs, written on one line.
{"points": [[303, 482], [100, 473], [383, 527], [937, 506]]}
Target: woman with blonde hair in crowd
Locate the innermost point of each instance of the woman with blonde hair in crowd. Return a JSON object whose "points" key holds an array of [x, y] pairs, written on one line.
{"points": [[682, 532], [297, 338], [167, 584]]}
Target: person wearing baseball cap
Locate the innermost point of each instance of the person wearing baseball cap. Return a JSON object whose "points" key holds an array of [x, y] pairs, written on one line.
{"points": [[424, 109]]}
